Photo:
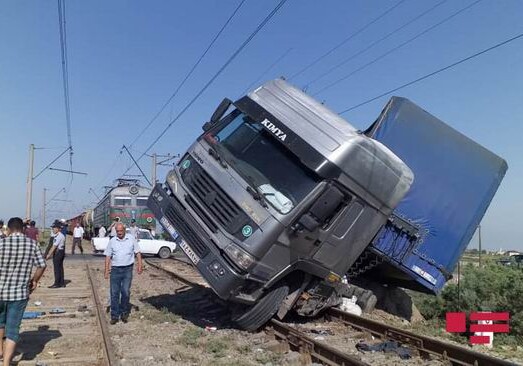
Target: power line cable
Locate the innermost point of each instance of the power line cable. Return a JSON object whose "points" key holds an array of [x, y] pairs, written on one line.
{"points": [[434, 72], [396, 48], [266, 71], [218, 73], [217, 35], [65, 76], [371, 45], [351, 36], [51, 163]]}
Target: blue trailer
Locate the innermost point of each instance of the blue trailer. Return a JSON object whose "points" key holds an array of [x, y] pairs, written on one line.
{"points": [[455, 180]]}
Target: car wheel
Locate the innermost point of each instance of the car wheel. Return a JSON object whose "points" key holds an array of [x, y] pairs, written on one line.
{"points": [[164, 252]]}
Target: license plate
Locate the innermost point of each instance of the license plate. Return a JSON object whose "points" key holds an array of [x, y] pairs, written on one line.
{"points": [[188, 251], [167, 225]]}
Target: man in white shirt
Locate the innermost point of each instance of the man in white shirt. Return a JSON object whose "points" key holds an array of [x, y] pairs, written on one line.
{"points": [[78, 234], [102, 232], [57, 252], [119, 262], [133, 229]]}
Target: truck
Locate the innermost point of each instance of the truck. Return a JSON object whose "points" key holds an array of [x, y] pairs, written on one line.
{"points": [[280, 198]]}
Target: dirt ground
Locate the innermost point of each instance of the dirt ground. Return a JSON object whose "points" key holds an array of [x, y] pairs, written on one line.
{"points": [[174, 324]]}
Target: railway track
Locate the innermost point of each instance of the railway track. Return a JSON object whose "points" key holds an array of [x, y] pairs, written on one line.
{"points": [[456, 355], [69, 326], [108, 351], [316, 351]]}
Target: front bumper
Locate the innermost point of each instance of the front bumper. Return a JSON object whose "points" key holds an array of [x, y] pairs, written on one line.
{"points": [[171, 213]]}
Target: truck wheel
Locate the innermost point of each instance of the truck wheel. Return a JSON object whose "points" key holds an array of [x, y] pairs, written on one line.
{"points": [[164, 252], [253, 317], [367, 302]]}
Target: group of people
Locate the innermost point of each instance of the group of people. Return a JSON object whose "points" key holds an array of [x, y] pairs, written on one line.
{"points": [[20, 252], [29, 229]]}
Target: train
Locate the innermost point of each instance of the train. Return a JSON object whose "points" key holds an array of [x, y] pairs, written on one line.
{"points": [[126, 200]]}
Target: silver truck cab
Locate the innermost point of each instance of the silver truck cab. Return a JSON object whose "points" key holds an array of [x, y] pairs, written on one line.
{"points": [[278, 198]]}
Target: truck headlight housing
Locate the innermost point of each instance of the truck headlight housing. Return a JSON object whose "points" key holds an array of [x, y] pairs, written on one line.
{"points": [[172, 181], [239, 256]]}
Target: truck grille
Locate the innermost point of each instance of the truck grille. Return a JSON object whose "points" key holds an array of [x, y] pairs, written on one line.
{"points": [[187, 232], [218, 203]]}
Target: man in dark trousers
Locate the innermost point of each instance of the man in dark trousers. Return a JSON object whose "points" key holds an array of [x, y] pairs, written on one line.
{"points": [[18, 255], [119, 261], [57, 252]]}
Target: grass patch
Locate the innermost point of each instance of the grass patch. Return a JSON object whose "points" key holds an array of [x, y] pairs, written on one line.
{"points": [[185, 355], [190, 336], [268, 357], [217, 347], [159, 316], [244, 349]]}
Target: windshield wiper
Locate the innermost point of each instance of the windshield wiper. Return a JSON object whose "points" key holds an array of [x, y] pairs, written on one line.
{"points": [[257, 195], [217, 156]]}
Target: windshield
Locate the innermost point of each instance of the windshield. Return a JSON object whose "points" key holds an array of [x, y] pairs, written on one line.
{"points": [[263, 162]]}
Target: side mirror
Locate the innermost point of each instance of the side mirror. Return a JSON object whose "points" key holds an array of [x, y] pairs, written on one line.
{"points": [[220, 111], [207, 126], [321, 210]]}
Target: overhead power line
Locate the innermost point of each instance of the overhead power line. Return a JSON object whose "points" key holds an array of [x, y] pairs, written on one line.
{"points": [[188, 74], [136, 163], [52, 162], [371, 45], [218, 73], [65, 76], [266, 71], [396, 48], [351, 36], [435, 72]]}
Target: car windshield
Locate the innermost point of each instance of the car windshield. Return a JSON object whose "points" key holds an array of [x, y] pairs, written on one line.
{"points": [[263, 162]]}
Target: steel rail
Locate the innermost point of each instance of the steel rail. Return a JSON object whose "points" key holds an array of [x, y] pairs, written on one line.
{"points": [[176, 276], [318, 351], [108, 351], [295, 339], [457, 355]]}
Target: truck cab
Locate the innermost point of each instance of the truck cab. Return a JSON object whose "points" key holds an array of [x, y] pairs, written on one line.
{"points": [[277, 199]]}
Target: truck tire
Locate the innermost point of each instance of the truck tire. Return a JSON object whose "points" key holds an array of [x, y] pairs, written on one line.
{"points": [[367, 302], [250, 318], [164, 252]]}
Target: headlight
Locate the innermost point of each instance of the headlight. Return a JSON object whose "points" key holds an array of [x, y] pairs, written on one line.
{"points": [[172, 181], [239, 256]]}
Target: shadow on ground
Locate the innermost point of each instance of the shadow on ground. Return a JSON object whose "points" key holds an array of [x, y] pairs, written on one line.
{"points": [[32, 342], [199, 306]]}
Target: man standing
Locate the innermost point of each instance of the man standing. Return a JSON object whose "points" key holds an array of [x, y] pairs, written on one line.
{"points": [[2, 229], [119, 261], [18, 254], [57, 252], [32, 232], [78, 234], [112, 228], [101, 232], [133, 229]]}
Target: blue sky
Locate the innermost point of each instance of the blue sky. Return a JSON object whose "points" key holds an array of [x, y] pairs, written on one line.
{"points": [[127, 57]]}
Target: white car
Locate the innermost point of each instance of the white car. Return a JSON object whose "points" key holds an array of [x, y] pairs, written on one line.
{"points": [[148, 245]]}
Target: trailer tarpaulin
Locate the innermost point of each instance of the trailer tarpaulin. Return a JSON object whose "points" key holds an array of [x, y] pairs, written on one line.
{"points": [[455, 180]]}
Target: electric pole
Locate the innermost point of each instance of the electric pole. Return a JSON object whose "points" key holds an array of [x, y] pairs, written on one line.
{"points": [[29, 194], [43, 210], [479, 239], [154, 170]]}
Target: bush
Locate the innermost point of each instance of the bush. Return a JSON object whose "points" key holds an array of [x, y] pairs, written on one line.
{"points": [[491, 288]]}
